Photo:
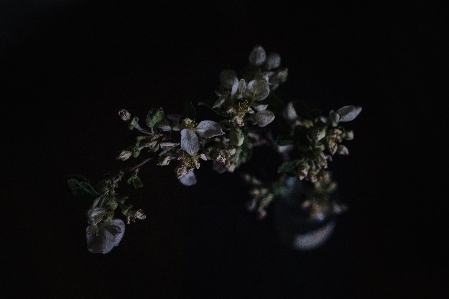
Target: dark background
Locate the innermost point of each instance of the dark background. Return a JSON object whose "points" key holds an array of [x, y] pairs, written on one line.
{"points": [[68, 66]]}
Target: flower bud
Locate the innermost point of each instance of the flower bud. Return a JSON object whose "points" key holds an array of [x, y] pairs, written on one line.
{"points": [[349, 135], [124, 114], [342, 150]]}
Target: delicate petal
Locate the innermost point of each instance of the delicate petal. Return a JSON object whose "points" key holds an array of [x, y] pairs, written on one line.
{"points": [[257, 56], [208, 128], [263, 118], [259, 89], [109, 235], [348, 113], [342, 150], [95, 215], [219, 102], [189, 142], [313, 239], [273, 61], [290, 112], [235, 86], [188, 179], [260, 107], [334, 117], [116, 228], [164, 125], [242, 86]]}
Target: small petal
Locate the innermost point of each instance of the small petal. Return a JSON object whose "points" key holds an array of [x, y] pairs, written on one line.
{"points": [[219, 102], [342, 150], [257, 56], [348, 113], [188, 179], [260, 107], [334, 117], [290, 112], [273, 61], [95, 215], [314, 238], [164, 125], [208, 128], [263, 118], [242, 86], [110, 233], [189, 142], [235, 86]]}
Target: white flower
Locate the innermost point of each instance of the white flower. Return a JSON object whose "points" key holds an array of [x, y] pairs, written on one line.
{"points": [[205, 129], [103, 237]]}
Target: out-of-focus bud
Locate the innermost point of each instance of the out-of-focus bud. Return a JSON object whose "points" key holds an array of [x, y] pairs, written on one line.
{"points": [[342, 150], [349, 135], [124, 114]]}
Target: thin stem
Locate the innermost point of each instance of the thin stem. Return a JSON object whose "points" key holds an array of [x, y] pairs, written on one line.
{"points": [[118, 176]]}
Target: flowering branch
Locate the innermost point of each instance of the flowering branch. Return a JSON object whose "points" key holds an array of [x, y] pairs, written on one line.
{"points": [[305, 139]]}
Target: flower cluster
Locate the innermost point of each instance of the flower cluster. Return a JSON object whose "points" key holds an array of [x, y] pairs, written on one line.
{"points": [[245, 104]]}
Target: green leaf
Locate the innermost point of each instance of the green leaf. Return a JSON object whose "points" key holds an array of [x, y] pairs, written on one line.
{"points": [[189, 111], [275, 104], [81, 186], [289, 167], [154, 116], [135, 180], [284, 140], [135, 152]]}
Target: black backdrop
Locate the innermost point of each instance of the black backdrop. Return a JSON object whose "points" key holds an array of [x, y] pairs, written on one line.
{"points": [[68, 66]]}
